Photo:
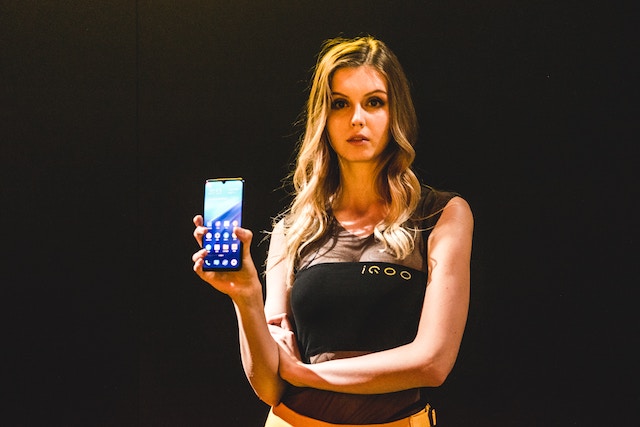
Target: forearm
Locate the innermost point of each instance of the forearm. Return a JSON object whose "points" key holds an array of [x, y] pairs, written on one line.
{"points": [[387, 371], [258, 350]]}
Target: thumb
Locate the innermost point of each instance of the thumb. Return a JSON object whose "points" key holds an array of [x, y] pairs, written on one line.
{"points": [[245, 236]]}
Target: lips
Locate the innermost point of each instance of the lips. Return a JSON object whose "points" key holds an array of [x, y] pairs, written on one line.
{"points": [[358, 138]]}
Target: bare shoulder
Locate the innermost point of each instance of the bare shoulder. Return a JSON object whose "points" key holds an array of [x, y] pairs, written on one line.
{"points": [[276, 301], [277, 238], [457, 210], [454, 228], [278, 227]]}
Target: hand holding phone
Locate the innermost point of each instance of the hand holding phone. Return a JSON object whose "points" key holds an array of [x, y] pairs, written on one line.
{"points": [[223, 202]]}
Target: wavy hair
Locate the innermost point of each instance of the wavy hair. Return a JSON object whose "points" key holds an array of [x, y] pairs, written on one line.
{"points": [[316, 175]]}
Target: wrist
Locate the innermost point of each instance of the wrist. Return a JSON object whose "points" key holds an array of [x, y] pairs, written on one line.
{"points": [[248, 296]]}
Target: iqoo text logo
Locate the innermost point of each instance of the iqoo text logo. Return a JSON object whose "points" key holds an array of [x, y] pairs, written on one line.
{"points": [[388, 271]]}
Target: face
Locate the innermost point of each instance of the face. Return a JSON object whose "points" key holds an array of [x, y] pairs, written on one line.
{"points": [[358, 123]]}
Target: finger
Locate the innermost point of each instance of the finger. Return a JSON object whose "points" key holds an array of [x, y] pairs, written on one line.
{"points": [[276, 319], [245, 236], [198, 233], [285, 324], [197, 266], [199, 256], [198, 221], [275, 331]]}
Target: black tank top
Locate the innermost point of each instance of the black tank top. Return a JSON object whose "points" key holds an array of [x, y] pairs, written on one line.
{"points": [[349, 298]]}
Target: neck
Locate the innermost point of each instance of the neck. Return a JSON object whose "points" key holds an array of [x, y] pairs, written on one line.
{"points": [[358, 206], [357, 188]]}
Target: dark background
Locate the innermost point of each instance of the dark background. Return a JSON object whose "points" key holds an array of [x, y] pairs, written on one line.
{"points": [[114, 112]]}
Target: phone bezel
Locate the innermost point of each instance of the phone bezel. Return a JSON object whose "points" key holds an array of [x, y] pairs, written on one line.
{"points": [[224, 180]]}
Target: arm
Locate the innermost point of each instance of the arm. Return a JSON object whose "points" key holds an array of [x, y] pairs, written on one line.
{"points": [[427, 361], [277, 308], [259, 350]]}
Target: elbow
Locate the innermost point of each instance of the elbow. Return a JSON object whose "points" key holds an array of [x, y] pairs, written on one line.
{"points": [[270, 399], [269, 394], [437, 377], [435, 372]]}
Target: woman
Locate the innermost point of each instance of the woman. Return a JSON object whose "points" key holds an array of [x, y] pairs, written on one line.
{"points": [[367, 282]]}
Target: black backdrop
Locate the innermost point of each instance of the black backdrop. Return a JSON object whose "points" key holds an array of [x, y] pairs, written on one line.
{"points": [[114, 112]]}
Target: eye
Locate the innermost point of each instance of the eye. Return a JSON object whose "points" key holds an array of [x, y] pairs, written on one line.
{"points": [[376, 102], [338, 104]]}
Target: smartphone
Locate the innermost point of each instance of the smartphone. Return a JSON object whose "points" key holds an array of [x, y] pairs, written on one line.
{"points": [[223, 201]]}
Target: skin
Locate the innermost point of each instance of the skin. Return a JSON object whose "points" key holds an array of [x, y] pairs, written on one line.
{"points": [[358, 123], [358, 127], [427, 361], [259, 348]]}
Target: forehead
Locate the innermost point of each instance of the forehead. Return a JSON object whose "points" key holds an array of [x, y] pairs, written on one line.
{"points": [[363, 79]]}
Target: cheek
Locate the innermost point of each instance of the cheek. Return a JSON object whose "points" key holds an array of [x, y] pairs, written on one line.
{"points": [[385, 129], [387, 118], [332, 126], [383, 122]]}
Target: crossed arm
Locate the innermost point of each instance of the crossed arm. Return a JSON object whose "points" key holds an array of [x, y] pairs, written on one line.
{"points": [[427, 360], [269, 354]]}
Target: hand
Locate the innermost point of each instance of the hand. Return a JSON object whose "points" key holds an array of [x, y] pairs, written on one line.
{"points": [[282, 332], [290, 365], [237, 284]]}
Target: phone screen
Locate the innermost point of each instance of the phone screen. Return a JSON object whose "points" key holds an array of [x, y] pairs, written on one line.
{"points": [[222, 212]]}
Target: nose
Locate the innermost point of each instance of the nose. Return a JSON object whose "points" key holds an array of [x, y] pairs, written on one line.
{"points": [[358, 117]]}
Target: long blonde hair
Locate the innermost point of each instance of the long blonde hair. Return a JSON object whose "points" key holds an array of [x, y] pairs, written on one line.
{"points": [[316, 176]]}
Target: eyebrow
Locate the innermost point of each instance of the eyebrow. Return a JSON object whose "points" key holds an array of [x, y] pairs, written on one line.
{"points": [[366, 94]]}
